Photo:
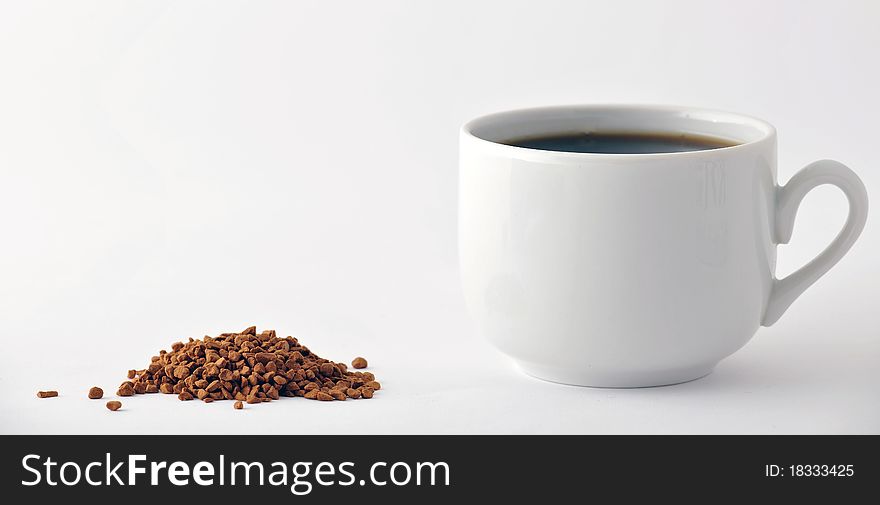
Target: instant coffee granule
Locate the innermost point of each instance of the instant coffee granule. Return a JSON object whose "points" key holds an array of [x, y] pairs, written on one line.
{"points": [[359, 362], [96, 393], [114, 405], [248, 367], [126, 389], [47, 394]]}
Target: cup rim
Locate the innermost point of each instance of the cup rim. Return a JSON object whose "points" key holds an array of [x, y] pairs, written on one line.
{"points": [[767, 130]]}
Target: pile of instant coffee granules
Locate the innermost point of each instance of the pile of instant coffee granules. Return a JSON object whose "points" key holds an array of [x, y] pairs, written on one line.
{"points": [[247, 367]]}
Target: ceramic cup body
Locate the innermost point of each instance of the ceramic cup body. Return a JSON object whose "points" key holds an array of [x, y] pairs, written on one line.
{"points": [[623, 270]]}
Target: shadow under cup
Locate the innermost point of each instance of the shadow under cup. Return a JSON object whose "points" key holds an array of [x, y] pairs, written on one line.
{"points": [[617, 270]]}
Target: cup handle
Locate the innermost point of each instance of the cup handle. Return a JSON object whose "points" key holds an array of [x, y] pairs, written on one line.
{"points": [[788, 199]]}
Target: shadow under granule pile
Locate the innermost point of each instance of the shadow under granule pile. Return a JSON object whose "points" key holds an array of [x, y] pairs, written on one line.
{"points": [[249, 367]]}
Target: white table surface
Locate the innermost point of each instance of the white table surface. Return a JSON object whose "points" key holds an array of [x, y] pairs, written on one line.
{"points": [[176, 169]]}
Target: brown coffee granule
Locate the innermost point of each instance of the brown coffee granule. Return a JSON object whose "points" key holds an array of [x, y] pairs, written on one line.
{"points": [[248, 367], [238, 405], [96, 393], [114, 405], [47, 394]]}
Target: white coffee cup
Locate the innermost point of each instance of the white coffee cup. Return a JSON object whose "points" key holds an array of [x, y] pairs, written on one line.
{"points": [[630, 270]]}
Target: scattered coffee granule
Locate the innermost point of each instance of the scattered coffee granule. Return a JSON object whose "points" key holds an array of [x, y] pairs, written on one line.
{"points": [[249, 368], [238, 405], [114, 405], [96, 393], [47, 394]]}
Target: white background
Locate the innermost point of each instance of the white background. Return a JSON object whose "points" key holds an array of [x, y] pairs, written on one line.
{"points": [[172, 169]]}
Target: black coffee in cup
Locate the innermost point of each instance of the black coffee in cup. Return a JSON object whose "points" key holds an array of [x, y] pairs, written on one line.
{"points": [[621, 142]]}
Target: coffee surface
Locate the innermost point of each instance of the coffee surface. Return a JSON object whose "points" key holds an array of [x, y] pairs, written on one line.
{"points": [[621, 142]]}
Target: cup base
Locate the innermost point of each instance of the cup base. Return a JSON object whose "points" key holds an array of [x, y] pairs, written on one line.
{"points": [[616, 380]]}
